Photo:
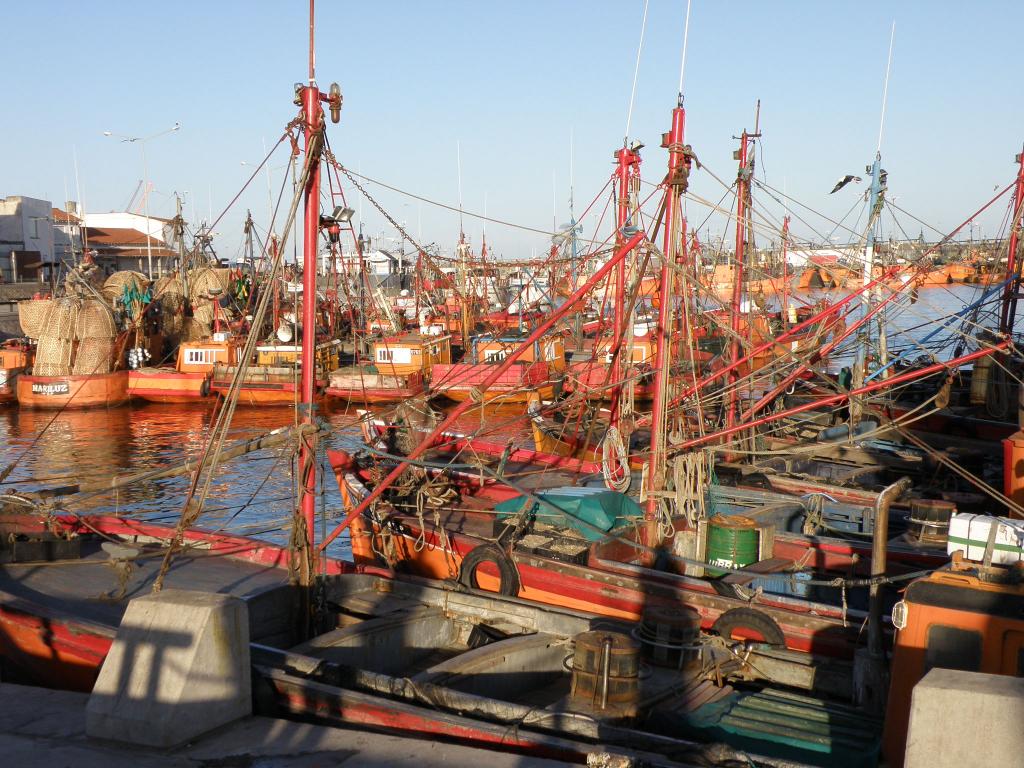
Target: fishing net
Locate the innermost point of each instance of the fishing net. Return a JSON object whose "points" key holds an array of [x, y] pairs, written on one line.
{"points": [[201, 282], [61, 320], [172, 314], [414, 419], [32, 316], [114, 286], [93, 356], [95, 321], [168, 285], [53, 357], [224, 278], [203, 314], [193, 331]]}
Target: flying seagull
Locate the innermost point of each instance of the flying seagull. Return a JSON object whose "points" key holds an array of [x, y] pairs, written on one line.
{"points": [[843, 182]]}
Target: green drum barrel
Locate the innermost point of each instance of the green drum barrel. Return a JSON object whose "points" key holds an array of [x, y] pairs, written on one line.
{"points": [[732, 542]]}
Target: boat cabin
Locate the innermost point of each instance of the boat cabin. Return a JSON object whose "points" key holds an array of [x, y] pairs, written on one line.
{"points": [[643, 349], [963, 617], [201, 356], [494, 349], [290, 355], [409, 353]]}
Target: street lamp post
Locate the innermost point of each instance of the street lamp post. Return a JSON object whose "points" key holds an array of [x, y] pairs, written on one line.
{"points": [[145, 182]]}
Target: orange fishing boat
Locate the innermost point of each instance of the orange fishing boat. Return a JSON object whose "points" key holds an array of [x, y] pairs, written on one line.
{"points": [[276, 377], [538, 372], [88, 391], [15, 357], [189, 380], [401, 366]]}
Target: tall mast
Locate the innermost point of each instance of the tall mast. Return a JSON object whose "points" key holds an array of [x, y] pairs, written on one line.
{"points": [[742, 188], [626, 170], [310, 97], [785, 272], [1012, 263], [676, 183], [876, 199]]}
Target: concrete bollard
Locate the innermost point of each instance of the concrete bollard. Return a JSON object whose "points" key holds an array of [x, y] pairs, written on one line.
{"points": [[179, 667], [965, 718]]}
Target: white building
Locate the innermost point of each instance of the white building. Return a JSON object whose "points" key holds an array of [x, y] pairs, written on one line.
{"points": [[159, 229]]}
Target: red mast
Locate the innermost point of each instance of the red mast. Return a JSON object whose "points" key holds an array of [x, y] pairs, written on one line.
{"points": [[310, 97], [785, 272], [675, 184], [1009, 293], [627, 168]]}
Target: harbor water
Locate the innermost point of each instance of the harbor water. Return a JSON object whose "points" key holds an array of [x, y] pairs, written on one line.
{"points": [[253, 495]]}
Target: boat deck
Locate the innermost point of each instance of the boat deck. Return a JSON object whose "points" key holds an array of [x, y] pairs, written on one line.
{"points": [[96, 587]]}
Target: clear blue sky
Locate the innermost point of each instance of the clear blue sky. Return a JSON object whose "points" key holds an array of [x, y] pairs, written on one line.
{"points": [[510, 81]]}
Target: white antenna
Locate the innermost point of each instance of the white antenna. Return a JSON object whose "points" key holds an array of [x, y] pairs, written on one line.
{"points": [[485, 213], [636, 72], [572, 173], [554, 204], [885, 89], [78, 187], [686, 38], [458, 162]]}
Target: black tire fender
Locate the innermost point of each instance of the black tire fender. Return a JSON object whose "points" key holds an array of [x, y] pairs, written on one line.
{"points": [[749, 621], [204, 388], [509, 582]]}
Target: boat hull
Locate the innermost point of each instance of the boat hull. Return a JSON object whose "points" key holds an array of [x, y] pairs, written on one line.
{"points": [[497, 396], [362, 386], [9, 387], [53, 392], [50, 645], [374, 395], [168, 386]]}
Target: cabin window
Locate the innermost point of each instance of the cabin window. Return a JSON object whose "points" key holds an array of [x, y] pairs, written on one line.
{"points": [[494, 355], [200, 356], [394, 355], [953, 648]]}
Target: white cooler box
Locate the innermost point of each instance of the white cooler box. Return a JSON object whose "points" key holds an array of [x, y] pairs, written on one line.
{"points": [[969, 534]]}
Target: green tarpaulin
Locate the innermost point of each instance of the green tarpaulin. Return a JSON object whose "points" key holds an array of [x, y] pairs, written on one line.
{"points": [[582, 509]]}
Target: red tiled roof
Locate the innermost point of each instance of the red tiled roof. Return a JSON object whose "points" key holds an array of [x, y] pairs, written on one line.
{"points": [[135, 253], [63, 217], [117, 236]]}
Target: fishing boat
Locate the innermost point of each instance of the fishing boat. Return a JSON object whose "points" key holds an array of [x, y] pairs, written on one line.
{"points": [[15, 358], [538, 372], [79, 351], [275, 377], [189, 380], [402, 364]]}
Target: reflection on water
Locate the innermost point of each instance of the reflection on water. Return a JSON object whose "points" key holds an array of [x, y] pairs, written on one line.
{"points": [[253, 494]]}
